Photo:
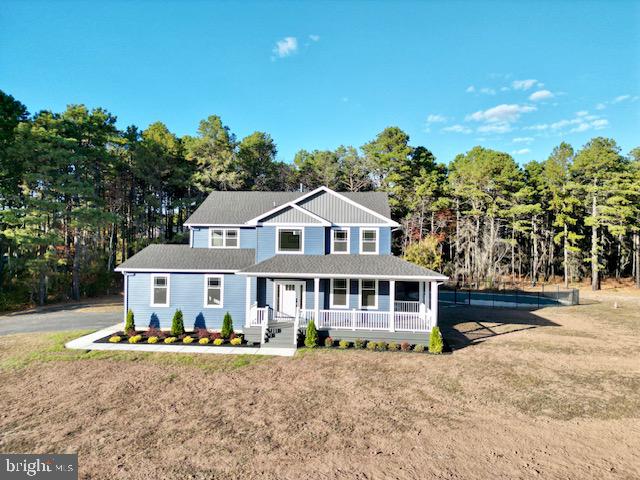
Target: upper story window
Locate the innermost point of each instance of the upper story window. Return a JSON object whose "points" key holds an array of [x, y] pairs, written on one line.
{"points": [[224, 238], [340, 241], [368, 294], [369, 241], [159, 290], [213, 291], [290, 240]]}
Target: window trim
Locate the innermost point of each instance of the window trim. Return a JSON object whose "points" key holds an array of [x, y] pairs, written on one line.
{"points": [[376, 296], [333, 240], [377, 250], [289, 252], [224, 236], [206, 291], [153, 287], [332, 304]]}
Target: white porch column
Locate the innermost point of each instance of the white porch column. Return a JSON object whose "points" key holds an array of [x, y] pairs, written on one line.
{"points": [[247, 301], [392, 305], [421, 298], [316, 300], [126, 296], [434, 304]]}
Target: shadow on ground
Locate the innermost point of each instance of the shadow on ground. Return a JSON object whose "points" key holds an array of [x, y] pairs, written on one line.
{"points": [[463, 325]]}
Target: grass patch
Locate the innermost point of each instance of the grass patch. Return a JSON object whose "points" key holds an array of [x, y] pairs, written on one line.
{"points": [[25, 350]]}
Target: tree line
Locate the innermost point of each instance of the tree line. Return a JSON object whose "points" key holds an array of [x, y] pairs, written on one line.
{"points": [[78, 196]]}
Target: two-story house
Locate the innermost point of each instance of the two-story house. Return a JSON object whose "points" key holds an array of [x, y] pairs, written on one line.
{"points": [[275, 260]]}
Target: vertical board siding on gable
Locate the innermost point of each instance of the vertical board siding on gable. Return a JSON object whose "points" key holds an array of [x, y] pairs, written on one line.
{"points": [[290, 215], [336, 210], [201, 237], [187, 294]]}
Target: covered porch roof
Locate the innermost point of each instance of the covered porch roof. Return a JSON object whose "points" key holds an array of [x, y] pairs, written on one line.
{"points": [[341, 266]]}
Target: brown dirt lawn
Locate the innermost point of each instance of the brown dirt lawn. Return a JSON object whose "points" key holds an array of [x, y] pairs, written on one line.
{"points": [[547, 394]]}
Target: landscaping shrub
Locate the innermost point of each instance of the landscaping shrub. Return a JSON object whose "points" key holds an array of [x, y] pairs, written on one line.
{"points": [[382, 346], [177, 324], [202, 333], [218, 341], [371, 346], [393, 346], [328, 342], [236, 341], [344, 344], [170, 340], [187, 339], [405, 346], [203, 341], [435, 341], [129, 324], [419, 348], [154, 332], [115, 338], [214, 336], [152, 340], [311, 338], [227, 326], [135, 338], [359, 343]]}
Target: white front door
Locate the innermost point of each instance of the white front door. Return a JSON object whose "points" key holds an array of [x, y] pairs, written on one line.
{"points": [[289, 298]]}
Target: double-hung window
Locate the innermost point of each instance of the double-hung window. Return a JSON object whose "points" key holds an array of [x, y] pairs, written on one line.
{"points": [[339, 293], [213, 291], [224, 238], [340, 241], [369, 240], [159, 290], [368, 294], [290, 240]]}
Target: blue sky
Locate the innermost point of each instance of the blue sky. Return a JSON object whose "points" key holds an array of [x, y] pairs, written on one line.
{"points": [[514, 76]]}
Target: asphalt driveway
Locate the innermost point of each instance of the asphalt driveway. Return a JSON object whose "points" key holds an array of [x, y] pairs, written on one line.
{"points": [[82, 316]]}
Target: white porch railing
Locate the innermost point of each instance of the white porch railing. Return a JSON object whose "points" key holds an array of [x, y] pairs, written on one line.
{"points": [[259, 316], [407, 306], [367, 320]]}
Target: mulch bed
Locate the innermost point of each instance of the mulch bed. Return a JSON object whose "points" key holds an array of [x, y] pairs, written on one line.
{"points": [[195, 343]]}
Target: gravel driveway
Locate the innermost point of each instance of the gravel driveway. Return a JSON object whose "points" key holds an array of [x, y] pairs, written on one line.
{"points": [[83, 316]]}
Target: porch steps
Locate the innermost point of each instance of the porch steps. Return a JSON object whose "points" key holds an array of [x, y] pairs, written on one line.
{"points": [[280, 335]]}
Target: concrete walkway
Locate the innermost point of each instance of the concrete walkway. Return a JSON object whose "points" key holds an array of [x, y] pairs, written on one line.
{"points": [[87, 342]]}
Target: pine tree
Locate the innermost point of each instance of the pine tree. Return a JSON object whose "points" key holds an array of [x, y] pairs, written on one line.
{"points": [[177, 324], [129, 324], [435, 341], [311, 338], [227, 326]]}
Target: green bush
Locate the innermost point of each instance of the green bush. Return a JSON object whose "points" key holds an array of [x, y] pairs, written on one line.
{"points": [[382, 346], [393, 346], [227, 326], [188, 339], [359, 343], [135, 339], [435, 341], [371, 346], [129, 324], [236, 341], [152, 340], [328, 342], [344, 344], [311, 338], [170, 340], [115, 338], [177, 324], [419, 348]]}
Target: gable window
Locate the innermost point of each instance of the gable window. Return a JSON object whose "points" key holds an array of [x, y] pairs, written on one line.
{"points": [[224, 238], [159, 290], [213, 291], [290, 240], [369, 240], [340, 241], [368, 294], [339, 293]]}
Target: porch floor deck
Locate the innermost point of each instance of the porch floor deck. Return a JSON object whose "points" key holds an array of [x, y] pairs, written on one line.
{"points": [[87, 342]]}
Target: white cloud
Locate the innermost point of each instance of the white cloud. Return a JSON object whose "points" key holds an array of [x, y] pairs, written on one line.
{"points": [[524, 84], [501, 113], [495, 128], [487, 91], [540, 95], [522, 151], [285, 47], [582, 113], [436, 118], [470, 89], [457, 129], [504, 89], [523, 140], [539, 127], [601, 106], [600, 123], [621, 98], [314, 38]]}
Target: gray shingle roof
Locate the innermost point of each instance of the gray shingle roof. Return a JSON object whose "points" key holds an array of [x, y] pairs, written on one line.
{"points": [[184, 258], [231, 208], [372, 266]]}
